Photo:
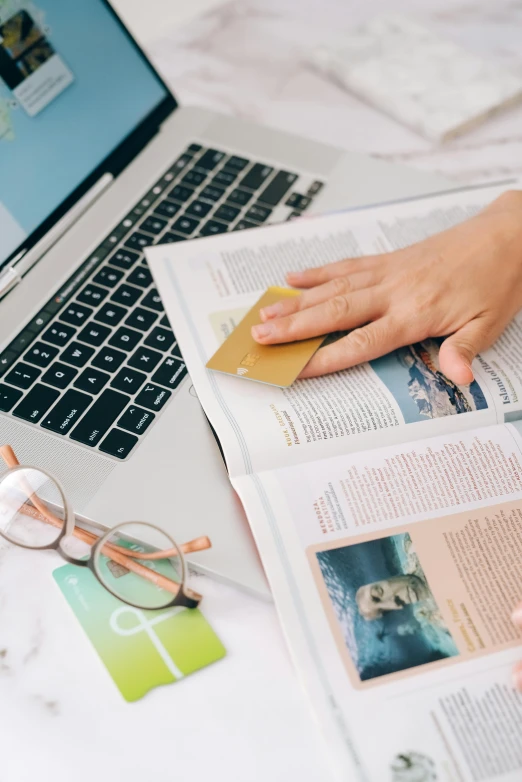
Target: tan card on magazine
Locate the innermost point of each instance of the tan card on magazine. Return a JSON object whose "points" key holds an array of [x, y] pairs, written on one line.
{"points": [[278, 365]]}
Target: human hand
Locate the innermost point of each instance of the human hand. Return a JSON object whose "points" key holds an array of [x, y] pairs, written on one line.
{"points": [[464, 284]]}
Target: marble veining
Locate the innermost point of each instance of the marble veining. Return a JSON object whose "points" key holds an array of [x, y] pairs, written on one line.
{"points": [[251, 58]]}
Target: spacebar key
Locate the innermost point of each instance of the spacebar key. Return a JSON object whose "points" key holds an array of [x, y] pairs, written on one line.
{"points": [[100, 417]]}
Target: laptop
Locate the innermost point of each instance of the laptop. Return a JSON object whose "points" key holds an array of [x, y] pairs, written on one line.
{"points": [[98, 161]]}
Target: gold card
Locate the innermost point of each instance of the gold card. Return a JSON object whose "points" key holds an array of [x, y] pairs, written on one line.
{"points": [[278, 365]]}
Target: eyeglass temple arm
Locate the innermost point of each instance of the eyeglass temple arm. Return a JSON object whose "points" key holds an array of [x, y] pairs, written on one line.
{"points": [[198, 544]]}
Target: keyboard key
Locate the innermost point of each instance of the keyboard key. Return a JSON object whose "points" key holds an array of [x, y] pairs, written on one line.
{"points": [[91, 380], [125, 259], [258, 213], [125, 339], [153, 397], [8, 397], [59, 334], [199, 209], [297, 201], [140, 276], [153, 225], [136, 420], [22, 341], [256, 177], [185, 225], [41, 354], [76, 354], [6, 359], [226, 213], [181, 163], [66, 412], [165, 322], [167, 209], [22, 375], [213, 227], [211, 193], [100, 417], [35, 404], [159, 338], [145, 359], [137, 241], [110, 314], [209, 159], [38, 322], [109, 359], [153, 300], [59, 375], [94, 334], [315, 188], [108, 277], [128, 380], [237, 163], [293, 215], [224, 178], [181, 193], [93, 295], [118, 443], [242, 225], [239, 197], [126, 294], [141, 319], [194, 178], [170, 238], [194, 148], [278, 187], [170, 373], [76, 314]]}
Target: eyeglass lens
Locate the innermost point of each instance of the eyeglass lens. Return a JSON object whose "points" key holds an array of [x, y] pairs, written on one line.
{"points": [[31, 506]]}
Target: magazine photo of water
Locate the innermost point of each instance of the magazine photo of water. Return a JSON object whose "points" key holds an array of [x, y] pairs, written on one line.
{"points": [[413, 376], [384, 606]]}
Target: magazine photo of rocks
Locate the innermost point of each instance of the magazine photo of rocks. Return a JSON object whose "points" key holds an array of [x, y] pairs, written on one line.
{"points": [[413, 376]]}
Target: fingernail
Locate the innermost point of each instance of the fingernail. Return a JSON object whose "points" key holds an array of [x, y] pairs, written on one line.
{"points": [[516, 616], [262, 331], [295, 275], [272, 311], [517, 676]]}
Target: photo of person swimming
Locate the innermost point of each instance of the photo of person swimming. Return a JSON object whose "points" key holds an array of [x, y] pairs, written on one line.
{"points": [[384, 607]]}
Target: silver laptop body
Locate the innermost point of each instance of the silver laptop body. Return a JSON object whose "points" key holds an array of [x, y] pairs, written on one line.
{"points": [[174, 474]]}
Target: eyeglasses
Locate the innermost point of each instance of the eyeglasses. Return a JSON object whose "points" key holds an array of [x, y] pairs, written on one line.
{"points": [[136, 562]]}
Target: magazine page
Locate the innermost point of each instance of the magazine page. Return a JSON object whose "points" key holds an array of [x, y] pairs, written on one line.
{"points": [[395, 572], [208, 285]]}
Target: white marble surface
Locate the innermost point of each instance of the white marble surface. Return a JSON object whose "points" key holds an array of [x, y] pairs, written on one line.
{"points": [[244, 719], [249, 57]]}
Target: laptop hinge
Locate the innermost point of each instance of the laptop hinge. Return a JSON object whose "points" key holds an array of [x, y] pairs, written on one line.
{"points": [[24, 261]]}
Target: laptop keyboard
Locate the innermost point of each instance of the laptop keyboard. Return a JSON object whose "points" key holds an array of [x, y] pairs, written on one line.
{"points": [[99, 362]]}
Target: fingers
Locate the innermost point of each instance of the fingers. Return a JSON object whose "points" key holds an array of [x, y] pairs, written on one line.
{"points": [[341, 286], [517, 671], [364, 344], [336, 314], [320, 274], [458, 351]]}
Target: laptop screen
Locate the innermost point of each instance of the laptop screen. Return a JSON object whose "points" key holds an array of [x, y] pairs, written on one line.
{"points": [[73, 86]]}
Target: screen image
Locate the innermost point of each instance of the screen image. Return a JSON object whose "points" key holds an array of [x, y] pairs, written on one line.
{"points": [[72, 87]]}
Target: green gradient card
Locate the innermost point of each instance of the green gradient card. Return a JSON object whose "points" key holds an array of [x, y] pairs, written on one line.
{"points": [[140, 649]]}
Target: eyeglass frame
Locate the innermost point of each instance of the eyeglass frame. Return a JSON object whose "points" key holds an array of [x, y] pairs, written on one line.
{"points": [[186, 597]]}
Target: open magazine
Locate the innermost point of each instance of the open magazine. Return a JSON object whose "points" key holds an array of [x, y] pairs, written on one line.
{"points": [[386, 503]]}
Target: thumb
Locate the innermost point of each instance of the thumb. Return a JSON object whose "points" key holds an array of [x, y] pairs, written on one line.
{"points": [[458, 351]]}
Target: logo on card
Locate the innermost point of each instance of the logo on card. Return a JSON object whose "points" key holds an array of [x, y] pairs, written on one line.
{"points": [[242, 371], [413, 767]]}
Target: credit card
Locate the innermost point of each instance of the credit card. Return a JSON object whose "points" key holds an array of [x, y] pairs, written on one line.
{"points": [[279, 365], [140, 649]]}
